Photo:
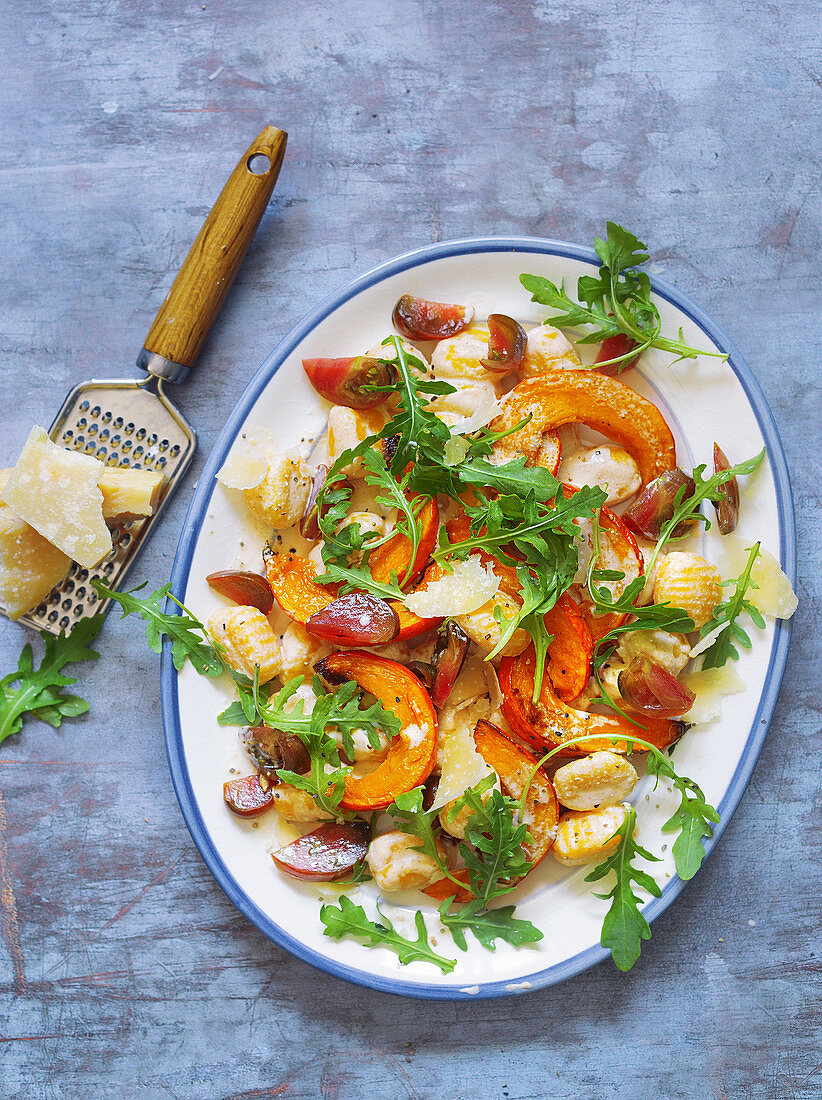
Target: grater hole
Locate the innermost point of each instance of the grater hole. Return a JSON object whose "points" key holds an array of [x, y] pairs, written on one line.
{"points": [[106, 417], [126, 444], [118, 423], [84, 406], [141, 434], [152, 439], [130, 427], [163, 444], [68, 435], [101, 453], [82, 575], [82, 422], [66, 605], [80, 440], [104, 434], [65, 622], [53, 616], [92, 429], [161, 462], [81, 592], [125, 539], [68, 587], [95, 412], [108, 567], [175, 450], [92, 598]]}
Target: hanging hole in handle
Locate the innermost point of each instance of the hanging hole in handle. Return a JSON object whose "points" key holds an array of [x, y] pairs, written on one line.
{"points": [[258, 164]]}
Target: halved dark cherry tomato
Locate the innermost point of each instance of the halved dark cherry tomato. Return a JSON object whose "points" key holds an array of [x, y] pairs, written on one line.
{"points": [[247, 797], [651, 689], [655, 505], [271, 749], [507, 344], [420, 319], [348, 381], [358, 618], [612, 347], [248, 589], [328, 853]]}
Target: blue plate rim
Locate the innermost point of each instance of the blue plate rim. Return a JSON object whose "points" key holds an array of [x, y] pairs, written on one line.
{"points": [[583, 960]]}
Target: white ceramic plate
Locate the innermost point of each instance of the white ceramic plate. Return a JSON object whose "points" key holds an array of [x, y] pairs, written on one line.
{"points": [[703, 400]]}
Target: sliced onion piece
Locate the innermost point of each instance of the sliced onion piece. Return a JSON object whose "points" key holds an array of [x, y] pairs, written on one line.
{"points": [[355, 619], [328, 853], [651, 689], [727, 509], [344, 381], [449, 656], [247, 589], [655, 505], [507, 344], [420, 319]]}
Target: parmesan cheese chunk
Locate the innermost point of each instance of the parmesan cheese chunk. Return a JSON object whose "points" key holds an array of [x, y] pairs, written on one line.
{"points": [[55, 491], [710, 685], [29, 566], [774, 595], [468, 587], [248, 462], [129, 494], [460, 765]]}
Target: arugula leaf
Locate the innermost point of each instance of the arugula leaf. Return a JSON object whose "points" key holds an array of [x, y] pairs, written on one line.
{"points": [[189, 638], [495, 832], [488, 925], [693, 818], [411, 818], [725, 617], [38, 691], [624, 926], [617, 300], [348, 919], [333, 711]]}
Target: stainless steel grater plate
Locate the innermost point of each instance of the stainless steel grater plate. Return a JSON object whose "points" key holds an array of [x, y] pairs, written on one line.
{"points": [[123, 423]]}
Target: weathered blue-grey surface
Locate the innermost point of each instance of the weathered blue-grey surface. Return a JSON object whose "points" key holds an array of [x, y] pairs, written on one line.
{"points": [[125, 972]]}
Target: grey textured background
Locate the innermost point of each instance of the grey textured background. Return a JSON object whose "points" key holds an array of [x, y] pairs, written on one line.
{"points": [[124, 971]]}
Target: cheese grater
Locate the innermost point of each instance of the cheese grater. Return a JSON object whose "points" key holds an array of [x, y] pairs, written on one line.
{"points": [[132, 422]]}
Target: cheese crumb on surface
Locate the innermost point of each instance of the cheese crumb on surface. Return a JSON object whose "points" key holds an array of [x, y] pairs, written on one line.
{"points": [[55, 491], [468, 587], [710, 685]]}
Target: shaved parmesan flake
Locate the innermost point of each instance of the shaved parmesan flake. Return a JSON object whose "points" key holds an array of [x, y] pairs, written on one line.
{"points": [[774, 595], [248, 464], [55, 491], [468, 587], [487, 408], [461, 766], [710, 685]]}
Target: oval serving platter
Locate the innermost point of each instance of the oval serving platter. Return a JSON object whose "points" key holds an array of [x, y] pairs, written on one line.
{"points": [[703, 400]]}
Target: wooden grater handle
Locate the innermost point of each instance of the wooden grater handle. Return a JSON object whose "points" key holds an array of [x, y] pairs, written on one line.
{"points": [[193, 302]]}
